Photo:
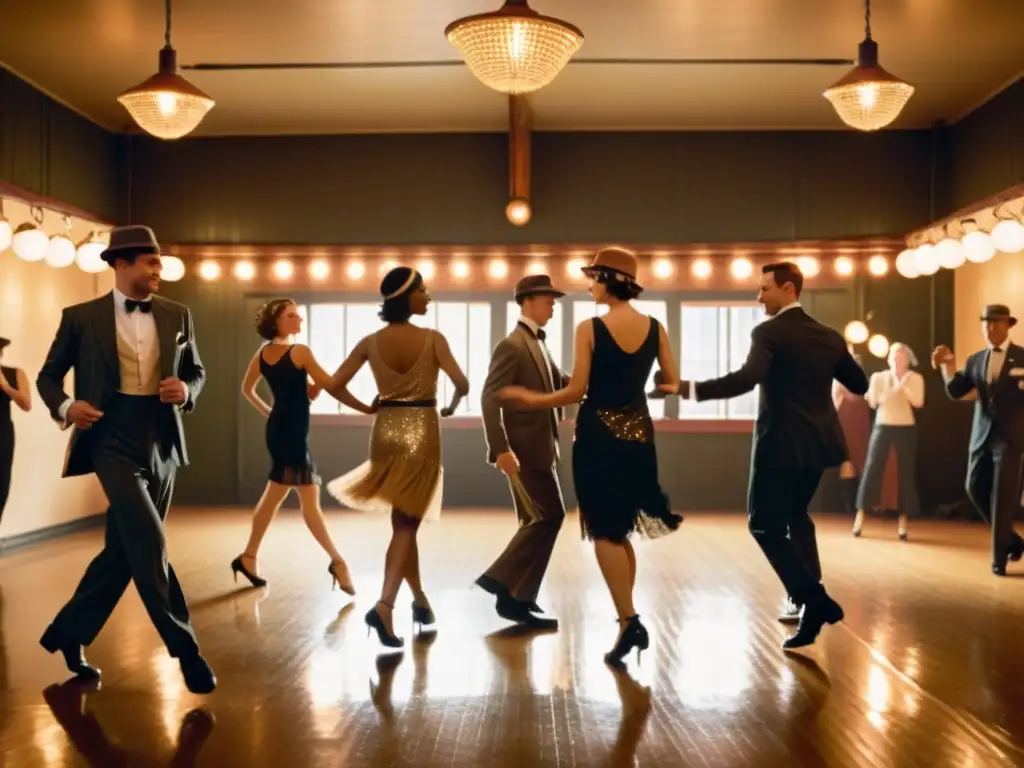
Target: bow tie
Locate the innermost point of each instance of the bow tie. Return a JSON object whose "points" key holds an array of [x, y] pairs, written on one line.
{"points": [[541, 335], [130, 305]]}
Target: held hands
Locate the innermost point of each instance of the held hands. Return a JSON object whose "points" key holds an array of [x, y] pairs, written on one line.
{"points": [[173, 390], [661, 389], [508, 463], [82, 414], [943, 357]]}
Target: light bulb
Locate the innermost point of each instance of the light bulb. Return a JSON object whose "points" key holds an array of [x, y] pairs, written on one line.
{"points": [[574, 269], [355, 270], [172, 269], [663, 268], [1007, 236], [319, 269], [741, 268], [497, 269], [926, 260], [209, 270], [978, 246], [855, 332], [536, 268], [808, 265], [460, 270], [167, 103], [878, 345], [60, 252], [518, 211], [878, 266], [906, 263], [867, 95], [950, 253], [426, 269], [244, 270], [844, 266], [701, 269], [29, 243], [283, 270]]}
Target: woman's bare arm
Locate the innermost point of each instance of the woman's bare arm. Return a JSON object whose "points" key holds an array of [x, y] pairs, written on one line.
{"points": [[583, 353], [346, 371], [249, 382], [450, 366]]}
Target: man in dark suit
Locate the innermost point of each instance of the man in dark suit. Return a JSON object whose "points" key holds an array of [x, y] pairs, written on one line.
{"points": [[136, 368], [996, 373], [794, 359], [524, 445]]}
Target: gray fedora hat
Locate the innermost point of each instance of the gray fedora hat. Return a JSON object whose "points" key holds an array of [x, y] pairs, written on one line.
{"points": [[130, 239], [536, 285]]}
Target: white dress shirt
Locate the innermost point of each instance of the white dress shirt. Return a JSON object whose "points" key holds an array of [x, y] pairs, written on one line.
{"points": [[693, 385], [895, 400], [543, 351], [138, 351], [996, 358]]}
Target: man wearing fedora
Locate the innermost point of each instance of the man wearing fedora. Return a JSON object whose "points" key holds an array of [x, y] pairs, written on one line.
{"points": [[996, 373], [524, 445], [136, 369]]}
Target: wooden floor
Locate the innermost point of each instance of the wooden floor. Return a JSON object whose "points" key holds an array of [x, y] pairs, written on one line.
{"points": [[927, 670]]}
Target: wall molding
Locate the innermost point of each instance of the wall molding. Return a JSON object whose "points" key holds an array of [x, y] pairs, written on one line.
{"points": [[9, 544]]}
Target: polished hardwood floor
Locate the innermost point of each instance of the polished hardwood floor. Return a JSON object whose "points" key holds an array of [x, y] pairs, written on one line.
{"points": [[927, 670]]}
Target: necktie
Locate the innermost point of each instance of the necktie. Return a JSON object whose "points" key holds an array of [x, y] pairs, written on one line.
{"points": [[130, 305]]}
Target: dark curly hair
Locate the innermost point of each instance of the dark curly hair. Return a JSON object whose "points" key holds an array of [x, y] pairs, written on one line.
{"points": [[267, 316], [622, 287], [397, 309]]}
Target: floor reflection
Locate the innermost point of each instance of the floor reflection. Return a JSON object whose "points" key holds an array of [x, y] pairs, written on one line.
{"points": [[68, 702]]}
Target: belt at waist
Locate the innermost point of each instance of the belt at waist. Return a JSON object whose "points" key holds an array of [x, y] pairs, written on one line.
{"points": [[431, 403]]}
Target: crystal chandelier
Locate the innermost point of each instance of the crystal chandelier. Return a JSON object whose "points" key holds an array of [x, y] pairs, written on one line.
{"points": [[867, 97], [514, 49], [167, 105]]}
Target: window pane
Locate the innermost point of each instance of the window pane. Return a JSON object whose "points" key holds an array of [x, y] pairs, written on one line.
{"points": [[360, 321], [659, 311], [554, 329], [479, 347], [327, 342], [453, 324], [584, 310], [302, 337], [741, 322], [699, 358]]}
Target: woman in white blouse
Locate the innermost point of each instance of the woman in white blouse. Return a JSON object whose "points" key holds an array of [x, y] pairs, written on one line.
{"points": [[894, 394]]}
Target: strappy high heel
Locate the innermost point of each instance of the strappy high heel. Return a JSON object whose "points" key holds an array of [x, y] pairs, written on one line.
{"points": [[238, 567], [902, 528], [375, 622], [633, 636], [336, 581], [422, 615]]}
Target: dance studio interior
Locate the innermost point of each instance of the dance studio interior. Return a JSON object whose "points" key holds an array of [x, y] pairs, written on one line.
{"points": [[304, 166]]}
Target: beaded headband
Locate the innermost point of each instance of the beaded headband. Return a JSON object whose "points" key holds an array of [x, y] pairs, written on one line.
{"points": [[405, 286]]}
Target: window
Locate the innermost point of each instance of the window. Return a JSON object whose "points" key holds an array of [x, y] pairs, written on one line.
{"points": [[584, 310], [334, 330], [554, 330], [467, 327], [715, 341]]}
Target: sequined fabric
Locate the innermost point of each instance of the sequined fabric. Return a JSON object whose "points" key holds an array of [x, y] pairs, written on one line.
{"points": [[628, 425], [405, 443]]}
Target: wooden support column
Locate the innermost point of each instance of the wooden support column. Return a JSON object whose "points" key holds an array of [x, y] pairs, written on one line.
{"points": [[520, 124]]}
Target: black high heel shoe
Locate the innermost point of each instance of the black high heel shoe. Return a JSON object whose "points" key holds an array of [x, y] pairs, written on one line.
{"points": [[238, 567], [375, 622], [633, 636], [422, 615], [336, 581]]}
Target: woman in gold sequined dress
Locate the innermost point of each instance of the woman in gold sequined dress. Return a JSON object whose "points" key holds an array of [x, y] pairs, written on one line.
{"points": [[614, 464], [403, 475]]}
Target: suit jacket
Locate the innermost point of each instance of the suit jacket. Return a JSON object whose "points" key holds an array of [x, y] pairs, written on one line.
{"points": [[794, 359], [1000, 405], [86, 340], [531, 433]]}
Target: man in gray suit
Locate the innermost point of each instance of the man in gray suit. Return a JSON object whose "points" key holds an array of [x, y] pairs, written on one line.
{"points": [[524, 445]]}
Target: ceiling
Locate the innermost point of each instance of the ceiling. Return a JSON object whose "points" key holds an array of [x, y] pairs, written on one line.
{"points": [[84, 53]]}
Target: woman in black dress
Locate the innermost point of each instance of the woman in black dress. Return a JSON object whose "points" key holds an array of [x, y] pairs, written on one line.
{"points": [[287, 369], [614, 465], [13, 389]]}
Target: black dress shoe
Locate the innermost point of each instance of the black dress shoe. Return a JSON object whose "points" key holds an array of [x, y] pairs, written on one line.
{"points": [[1016, 549], [513, 610], [828, 611], [72, 652], [999, 570], [199, 678]]}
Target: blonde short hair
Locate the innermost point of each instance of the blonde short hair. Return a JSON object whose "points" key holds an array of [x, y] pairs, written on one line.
{"points": [[910, 353]]}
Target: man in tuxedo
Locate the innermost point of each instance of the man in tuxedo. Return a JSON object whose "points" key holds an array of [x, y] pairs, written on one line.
{"points": [[996, 373], [136, 368], [524, 445], [794, 359]]}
